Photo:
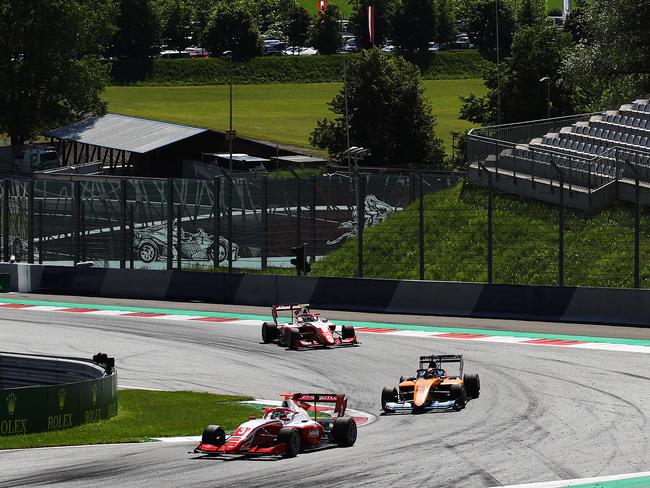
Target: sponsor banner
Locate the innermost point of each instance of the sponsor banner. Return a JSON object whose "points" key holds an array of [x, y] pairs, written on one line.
{"points": [[47, 408]]}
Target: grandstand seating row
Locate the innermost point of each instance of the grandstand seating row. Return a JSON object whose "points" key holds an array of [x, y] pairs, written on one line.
{"points": [[589, 153]]}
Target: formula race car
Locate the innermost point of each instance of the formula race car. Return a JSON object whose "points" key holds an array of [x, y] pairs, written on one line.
{"points": [[306, 329], [286, 430], [432, 388]]}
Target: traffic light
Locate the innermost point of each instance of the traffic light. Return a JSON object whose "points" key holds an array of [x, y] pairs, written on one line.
{"points": [[300, 261]]}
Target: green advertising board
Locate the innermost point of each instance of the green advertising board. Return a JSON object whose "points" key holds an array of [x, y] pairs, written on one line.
{"points": [[44, 408]]}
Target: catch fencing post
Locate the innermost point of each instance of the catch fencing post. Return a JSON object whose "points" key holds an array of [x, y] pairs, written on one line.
{"points": [[637, 233], [265, 221], [489, 224], [5, 220], [361, 210], [170, 223], [421, 226], [298, 213], [179, 236], [41, 240], [131, 233], [230, 187], [216, 214], [313, 218], [76, 213], [123, 222], [561, 236], [30, 222], [82, 230]]}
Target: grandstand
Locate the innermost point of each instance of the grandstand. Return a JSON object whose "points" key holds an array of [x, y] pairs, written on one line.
{"points": [[594, 158]]}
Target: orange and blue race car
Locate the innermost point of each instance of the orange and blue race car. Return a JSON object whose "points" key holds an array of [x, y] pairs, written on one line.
{"points": [[286, 430], [306, 329], [432, 388]]}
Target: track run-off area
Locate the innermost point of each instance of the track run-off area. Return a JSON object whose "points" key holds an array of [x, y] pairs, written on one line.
{"points": [[560, 404]]}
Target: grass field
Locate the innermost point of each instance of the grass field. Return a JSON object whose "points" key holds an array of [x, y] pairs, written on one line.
{"points": [[280, 113], [312, 6], [143, 415]]}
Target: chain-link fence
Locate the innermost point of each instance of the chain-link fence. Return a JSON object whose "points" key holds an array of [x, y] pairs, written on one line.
{"points": [[413, 226]]}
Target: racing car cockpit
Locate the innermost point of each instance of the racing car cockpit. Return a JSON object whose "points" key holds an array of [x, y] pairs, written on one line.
{"points": [[283, 414], [430, 373]]}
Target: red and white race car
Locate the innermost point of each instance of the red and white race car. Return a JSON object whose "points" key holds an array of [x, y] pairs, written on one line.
{"points": [[306, 329], [286, 430]]}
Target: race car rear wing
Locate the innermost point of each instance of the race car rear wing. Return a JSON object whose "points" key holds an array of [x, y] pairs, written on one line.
{"points": [[441, 359], [276, 308], [309, 401]]}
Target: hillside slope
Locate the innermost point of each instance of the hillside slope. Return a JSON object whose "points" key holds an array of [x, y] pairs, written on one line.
{"points": [[599, 250]]}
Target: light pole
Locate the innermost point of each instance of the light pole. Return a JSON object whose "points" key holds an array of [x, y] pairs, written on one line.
{"points": [[547, 80], [230, 134], [496, 2]]}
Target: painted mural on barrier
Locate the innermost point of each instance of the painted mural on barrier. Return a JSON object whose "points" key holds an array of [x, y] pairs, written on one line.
{"points": [[260, 219], [150, 244], [374, 212]]}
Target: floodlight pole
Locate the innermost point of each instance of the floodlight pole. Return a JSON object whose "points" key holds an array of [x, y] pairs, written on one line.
{"points": [[498, 66], [347, 116], [228, 54], [547, 80]]}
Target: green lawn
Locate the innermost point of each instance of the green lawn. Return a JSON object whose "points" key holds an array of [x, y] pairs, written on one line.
{"points": [[282, 113], [145, 414], [598, 249], [312, 6]]}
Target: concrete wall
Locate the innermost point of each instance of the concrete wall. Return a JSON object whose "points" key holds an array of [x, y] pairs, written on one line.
{"points": [[590, 305]]}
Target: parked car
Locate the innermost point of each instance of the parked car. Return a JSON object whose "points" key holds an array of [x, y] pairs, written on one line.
{"points": [[350, 45], [274, 47], [36, 158], [300, 51], [150, 244]]}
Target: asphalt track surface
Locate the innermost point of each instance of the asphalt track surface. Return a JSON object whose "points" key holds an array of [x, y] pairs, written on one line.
{"points": [[545, 413]]}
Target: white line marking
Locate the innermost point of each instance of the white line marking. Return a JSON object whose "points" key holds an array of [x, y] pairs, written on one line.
{"points": [[581, 481]]}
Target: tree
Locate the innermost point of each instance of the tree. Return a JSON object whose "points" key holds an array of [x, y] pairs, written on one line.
{"points": [[481, 18], [297, 25], [612, 64], [577, 24], [326, 31], [384, 14], [177, 30], [446, 22], [415, 25], [50, 72], [138, 30], [388, 114], [537, 52], [531, 12], [233, 27]]}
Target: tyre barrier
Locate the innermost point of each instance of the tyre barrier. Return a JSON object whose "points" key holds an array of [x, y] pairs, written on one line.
{"points": [[46, 393]]}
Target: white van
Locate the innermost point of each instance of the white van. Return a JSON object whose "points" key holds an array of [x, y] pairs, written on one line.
{"points": [[36, 159]]}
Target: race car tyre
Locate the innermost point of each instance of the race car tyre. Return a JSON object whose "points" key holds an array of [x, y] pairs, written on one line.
{"points": [[388, 394], [214, 435], [344, 431], [293, 336], [291, 438], [459, 394], [347, 331], [472, 385], [148, 252], [269, 332]]}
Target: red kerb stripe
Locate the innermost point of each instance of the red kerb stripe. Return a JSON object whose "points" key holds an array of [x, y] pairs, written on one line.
{"points": [[143, 314], [371, 329], [214, 319], [77, 310], [15, 305], [459, 335], [552, 342]]}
